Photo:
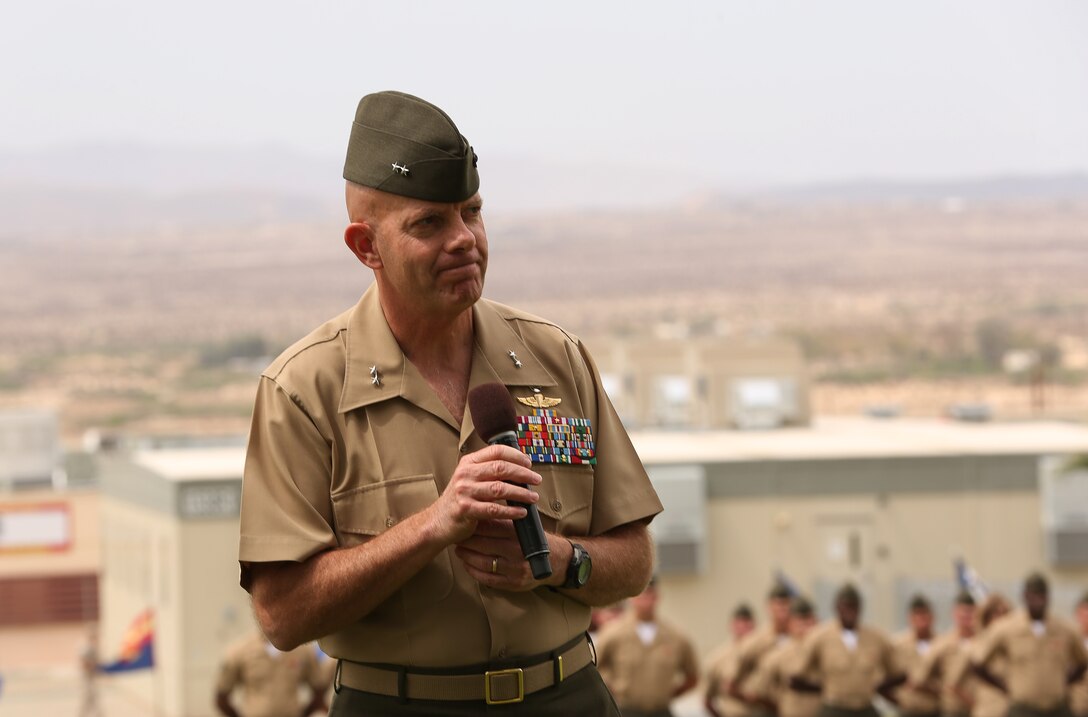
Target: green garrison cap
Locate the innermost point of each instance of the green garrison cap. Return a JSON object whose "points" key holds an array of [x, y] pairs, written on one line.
{"points": [[404, 145]]}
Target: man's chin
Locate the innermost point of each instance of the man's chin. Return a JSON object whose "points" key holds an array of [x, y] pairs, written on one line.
{"points": [[463, 296]]}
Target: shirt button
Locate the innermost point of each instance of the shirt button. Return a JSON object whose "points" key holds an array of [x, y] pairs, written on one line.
{"points": [[390, 522], [556, 505], [502, 652], [464, 448]]}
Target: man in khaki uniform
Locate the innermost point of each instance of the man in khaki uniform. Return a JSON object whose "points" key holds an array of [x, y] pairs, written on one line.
{"points": [[917, 699], [645, 661], [374, 517], [722, 666], [948, 658], [984, 699], [89, 670], [1078, 699], [269, 680], [847, 662], [771, 682], [760, 643], [1045, 656]]}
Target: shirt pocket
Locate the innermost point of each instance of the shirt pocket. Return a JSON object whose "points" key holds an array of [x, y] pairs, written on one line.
{"points": [[363, 513], [566, 498]]}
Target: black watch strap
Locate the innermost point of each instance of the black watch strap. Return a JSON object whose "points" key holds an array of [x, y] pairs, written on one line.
{"points": [[579, 568]]}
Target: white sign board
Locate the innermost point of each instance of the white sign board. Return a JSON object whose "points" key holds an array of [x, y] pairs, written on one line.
{"points": [[35, 527]]}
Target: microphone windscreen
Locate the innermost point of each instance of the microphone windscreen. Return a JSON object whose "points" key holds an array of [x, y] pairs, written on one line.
{"points": [[492, 410]]}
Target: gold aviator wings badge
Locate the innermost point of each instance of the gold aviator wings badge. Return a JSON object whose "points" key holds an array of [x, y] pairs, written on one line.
{"points": [[539, 400]]}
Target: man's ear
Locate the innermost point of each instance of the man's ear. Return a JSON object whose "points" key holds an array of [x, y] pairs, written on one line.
{"points": [[359, 236]]}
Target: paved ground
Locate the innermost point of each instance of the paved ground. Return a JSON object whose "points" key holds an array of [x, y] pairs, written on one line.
{"points": [[39, 675], [58, 693]]}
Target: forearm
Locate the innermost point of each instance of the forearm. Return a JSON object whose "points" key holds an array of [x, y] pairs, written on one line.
{"points": [[744, 669], [988, 677], [298, 602], [929, 687], [222, 702], [689, 682], [887, 687], [622, 564], [801, 684]]}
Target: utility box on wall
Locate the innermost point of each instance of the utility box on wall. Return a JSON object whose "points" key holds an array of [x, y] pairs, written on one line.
{"points": [[679, 532], [1063, 490]]}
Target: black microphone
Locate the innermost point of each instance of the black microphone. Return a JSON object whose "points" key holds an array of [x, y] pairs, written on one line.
{"points": [[496, 421]]}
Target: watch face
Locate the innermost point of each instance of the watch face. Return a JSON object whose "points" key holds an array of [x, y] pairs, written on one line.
{"points": [[584, 569]]}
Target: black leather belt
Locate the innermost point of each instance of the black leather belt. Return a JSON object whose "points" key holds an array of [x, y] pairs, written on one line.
{"points": [[495, 687]]}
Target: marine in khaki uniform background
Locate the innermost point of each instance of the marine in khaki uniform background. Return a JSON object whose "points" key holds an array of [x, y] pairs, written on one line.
{"points": [[916, 699], [645, 661], [771, 682], [948, 658], [847, 662], [759, 644], [375, 519], [1078, 698], [269, 680], [1045, 656], [984, 699], [722, 666]]}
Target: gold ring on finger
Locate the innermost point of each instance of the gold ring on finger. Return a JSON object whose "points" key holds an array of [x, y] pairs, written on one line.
{"points": [[494, 565]]}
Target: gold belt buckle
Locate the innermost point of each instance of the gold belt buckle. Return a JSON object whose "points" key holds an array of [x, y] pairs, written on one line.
{"points": [[498, 673]]}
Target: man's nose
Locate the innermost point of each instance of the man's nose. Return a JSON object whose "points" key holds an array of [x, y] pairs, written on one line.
{"points": [[461, 239]]}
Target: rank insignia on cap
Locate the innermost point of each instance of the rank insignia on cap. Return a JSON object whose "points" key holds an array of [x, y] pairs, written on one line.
{"points": [[547, 437], [407, 146], [539, 400]]}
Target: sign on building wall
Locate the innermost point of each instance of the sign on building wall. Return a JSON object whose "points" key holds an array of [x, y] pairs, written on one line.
{"points": [[210, 500], [35, 527]]}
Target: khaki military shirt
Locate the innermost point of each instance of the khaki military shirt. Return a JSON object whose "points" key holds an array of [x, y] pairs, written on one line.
{"points": [[1038, 664], [985, 699], [752, 650], [644, 676], [269, 679], [771, 681], [1078, 694], [948, 659], [848, 677], [910, 652], [336, 458], [722, 668]]}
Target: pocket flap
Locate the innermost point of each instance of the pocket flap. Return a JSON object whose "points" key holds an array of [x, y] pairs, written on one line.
{"points": [[564, 490], [373, 509]]}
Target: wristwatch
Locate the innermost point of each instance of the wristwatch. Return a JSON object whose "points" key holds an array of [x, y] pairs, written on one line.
{"points": [[580, 567]]}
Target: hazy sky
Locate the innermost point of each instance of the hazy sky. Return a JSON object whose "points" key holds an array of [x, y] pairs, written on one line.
{"points": [[733, 91]]}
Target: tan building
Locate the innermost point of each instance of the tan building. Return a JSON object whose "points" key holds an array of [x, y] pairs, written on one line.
{"points": [[886, 504], [704, 382], [169, 544], [49, 556]]}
